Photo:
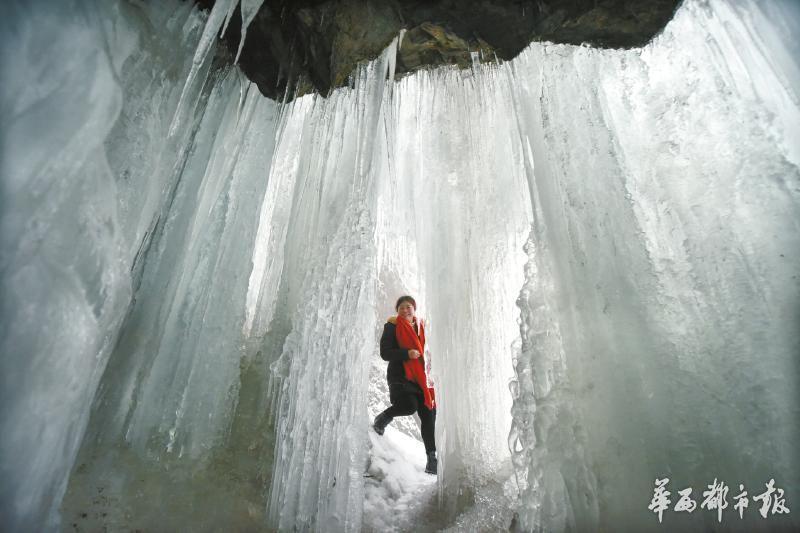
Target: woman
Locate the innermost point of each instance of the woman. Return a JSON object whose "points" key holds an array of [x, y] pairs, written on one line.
{"points": [[403, 346]]}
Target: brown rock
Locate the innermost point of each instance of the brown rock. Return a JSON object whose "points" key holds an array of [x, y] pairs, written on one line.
{"points": [[297, 46]]}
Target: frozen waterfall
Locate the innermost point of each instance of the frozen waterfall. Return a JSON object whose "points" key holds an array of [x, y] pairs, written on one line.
{"points": [[193, 278]]}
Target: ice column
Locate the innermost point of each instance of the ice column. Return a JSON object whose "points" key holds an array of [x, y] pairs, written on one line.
{"points": [[330, 284]]}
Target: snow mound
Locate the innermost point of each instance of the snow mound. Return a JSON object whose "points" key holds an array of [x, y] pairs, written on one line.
{"points": [[399, 495]]}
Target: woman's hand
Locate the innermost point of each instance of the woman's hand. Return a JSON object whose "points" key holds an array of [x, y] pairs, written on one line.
{"points": [[413, 354]]}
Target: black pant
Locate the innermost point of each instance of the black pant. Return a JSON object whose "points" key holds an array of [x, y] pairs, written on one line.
{"points": [[406, 403]]}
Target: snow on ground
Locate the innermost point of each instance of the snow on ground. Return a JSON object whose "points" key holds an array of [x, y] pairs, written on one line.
{"points": [[399, 495]]}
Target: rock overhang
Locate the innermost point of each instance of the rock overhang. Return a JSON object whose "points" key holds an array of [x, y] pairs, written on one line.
{"points": [[302, 46]]}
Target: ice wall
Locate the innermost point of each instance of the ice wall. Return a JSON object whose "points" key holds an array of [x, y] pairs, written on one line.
{"points": [[120, 241], [65, 267], [661, 301], [194, 277]]}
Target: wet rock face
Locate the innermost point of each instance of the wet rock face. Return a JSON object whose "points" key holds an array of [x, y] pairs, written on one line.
{"points": [[315, 45]]}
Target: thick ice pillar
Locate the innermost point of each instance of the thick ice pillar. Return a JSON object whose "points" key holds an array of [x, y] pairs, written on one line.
{"points": [[329, 283]]}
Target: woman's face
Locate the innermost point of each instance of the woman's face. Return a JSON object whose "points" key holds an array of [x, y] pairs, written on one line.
{"points": [[406, 310]]}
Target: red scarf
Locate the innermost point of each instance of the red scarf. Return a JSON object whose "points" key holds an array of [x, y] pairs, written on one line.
{"points": [[415, 368]]}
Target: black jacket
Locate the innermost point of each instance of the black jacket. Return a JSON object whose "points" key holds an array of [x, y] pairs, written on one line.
{"points": [[395, 355]]}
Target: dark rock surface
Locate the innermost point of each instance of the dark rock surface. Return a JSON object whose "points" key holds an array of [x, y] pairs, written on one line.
{"points": [[301, 46]]}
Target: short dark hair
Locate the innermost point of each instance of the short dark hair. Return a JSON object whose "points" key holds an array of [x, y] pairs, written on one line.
{"points": [[405, 298]]}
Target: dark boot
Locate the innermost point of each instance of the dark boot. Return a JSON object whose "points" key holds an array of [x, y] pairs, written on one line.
{"points": [[430, 466], [380, 423]]}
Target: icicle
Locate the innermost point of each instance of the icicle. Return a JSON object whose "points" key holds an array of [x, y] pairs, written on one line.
{"points": [[475, 56], [392, 57], [229, 16], [220, 13], [249, 10]]}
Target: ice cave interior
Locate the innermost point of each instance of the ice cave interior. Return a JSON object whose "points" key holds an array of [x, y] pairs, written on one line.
{"points": [[604, 244]]}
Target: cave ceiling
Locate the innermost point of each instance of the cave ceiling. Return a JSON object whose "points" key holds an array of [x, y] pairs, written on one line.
{"points": [[302, 46]]}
